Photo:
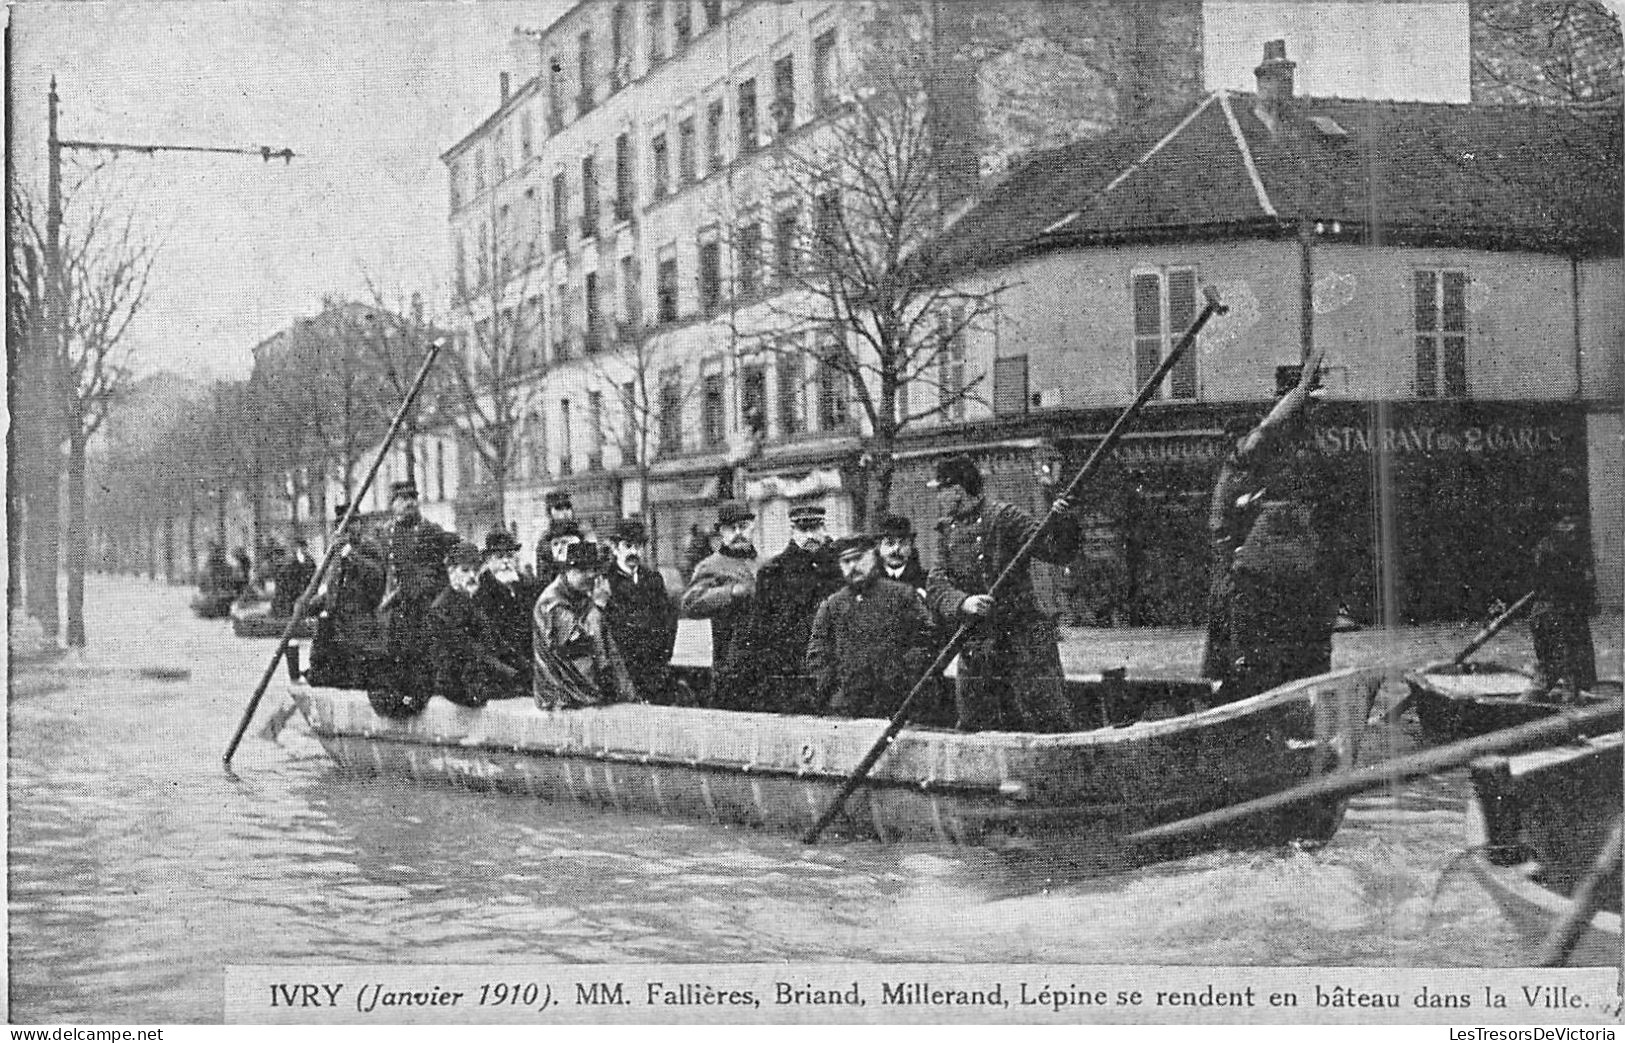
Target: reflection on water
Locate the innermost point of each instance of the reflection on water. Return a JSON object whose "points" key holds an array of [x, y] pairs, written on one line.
{"points": [[139, 869]]}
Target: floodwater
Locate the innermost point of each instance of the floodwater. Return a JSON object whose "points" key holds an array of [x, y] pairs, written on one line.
{"points": [[139, 869]]}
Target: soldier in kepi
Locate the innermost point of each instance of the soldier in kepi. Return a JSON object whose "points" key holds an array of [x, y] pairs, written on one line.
{"points": [[1010, 673], [414, 575], [1560, 621], [348, 649], [472, 665], [576, 662]]}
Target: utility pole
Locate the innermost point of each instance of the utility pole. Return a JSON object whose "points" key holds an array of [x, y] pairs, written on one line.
{"points": [[64, 416]]}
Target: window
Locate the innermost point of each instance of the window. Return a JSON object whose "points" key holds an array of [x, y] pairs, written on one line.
{"points": [[671, 412], [439, 470], [555, 95], [479, 171], [532, 314], [824, 72], [712, 419], [633, 304], [629, 421], [595, 430], [951, 367], [536, 432], [711, 11], [657, 31], [561, 203], [566, 451], [685, 151], [505, 244], [482, 262], [625, 190], [620, 70], [586, 78], [786, 247], [828, 233], [1010, 385], [666, 290], [662, 167], [753, 400], [682, 18], [462, 267], [456, 185], [713, 137], [561, 321], [593, 328], [1441, 333], [527, 139], [1164, 307], [790, 379], [748, 139], [589, 197], [834, 405], [710, 277], [784, 95], [499, 150], [750, 259]]}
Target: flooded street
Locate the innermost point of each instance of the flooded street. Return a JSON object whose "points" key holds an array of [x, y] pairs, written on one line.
{"points": [[139, 869]]}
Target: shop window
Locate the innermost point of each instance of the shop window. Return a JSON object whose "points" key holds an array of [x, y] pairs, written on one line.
{"points": [[666, 277], [823, 72], [1164, 307], [790, 377], [1441, 333], [713, 136], [685, 151], [784, 95], [710, 277], [749, 139], [1010, 385]]}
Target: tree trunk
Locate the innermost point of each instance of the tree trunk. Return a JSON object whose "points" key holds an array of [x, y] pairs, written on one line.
{"points": [[191, 540], [76, 545], [221, 495], [42, 547]]}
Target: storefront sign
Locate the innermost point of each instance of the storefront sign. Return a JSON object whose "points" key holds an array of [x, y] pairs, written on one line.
{"points": [[675, 490], [1168, 450], [1435, 438]]}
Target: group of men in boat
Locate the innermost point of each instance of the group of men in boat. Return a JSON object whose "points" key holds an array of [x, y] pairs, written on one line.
{"points": [[842, 626]]}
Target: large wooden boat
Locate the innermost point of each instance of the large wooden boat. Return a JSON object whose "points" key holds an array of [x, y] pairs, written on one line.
{"points": [[1460, 700], [1162, 751], [1535, 824]]}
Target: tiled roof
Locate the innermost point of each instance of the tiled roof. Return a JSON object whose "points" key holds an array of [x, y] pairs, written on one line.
{"points": [[1536, 177]]}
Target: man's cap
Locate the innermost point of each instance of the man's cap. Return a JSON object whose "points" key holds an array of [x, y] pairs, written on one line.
{"points": [[733, 513], [807, 516], [560, 529], [404, 487], [630, 530], [897, 527], [463, 554], [558, 499], [582, 555], [856, 543], [500, 541], [957, 470]]}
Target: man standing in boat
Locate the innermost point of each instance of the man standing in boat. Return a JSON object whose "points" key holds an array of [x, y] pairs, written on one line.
{"points": [[768, 653], [721, 591], [576, 662], [1560, 621], [870, 640], [347, 651], [471, 664], [414, 575], [507, 600], [639, 614], [1010, 674]]}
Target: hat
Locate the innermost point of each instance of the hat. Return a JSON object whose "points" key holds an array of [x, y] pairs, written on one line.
{"points": [[582, 556], [404, 487], [733, 512], [857, 543], [500, 541], [340, 510], [630, 530], [957, 470], [560, 529], [463, 554], [897, 527], [1287, 377], [557, 499], [807, 516]]}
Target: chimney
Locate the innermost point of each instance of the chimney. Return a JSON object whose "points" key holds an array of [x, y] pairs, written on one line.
{"points": [[502, 81], [1274, 85]]}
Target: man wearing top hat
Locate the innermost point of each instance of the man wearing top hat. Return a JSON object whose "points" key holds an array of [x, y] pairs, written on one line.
{"points": [[767, 659], [575, 662], [414, 575], [721, 590], [870, 640], [1010, 673], [638, 615], [507, 599], [472, 666], [348, 648]]}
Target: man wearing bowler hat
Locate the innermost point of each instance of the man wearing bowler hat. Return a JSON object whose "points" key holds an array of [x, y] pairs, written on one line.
{"points": [[639, 616], [899, 560], [472, 666], [1010, 674], [870, 640], [721, 590], [769, 651], [575, 661], [414, 575], [348, 648], [507, 599]]}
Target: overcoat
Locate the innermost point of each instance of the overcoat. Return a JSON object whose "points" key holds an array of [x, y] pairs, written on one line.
{"points": [[711, 594], [868, 646], [642, 622], [767, 656], [575, 662], [470, 667]]}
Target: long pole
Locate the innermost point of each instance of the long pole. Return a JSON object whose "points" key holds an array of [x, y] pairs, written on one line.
{"points": [[315, 583], [1017, 562], [1588, 898], [1495, 626]]}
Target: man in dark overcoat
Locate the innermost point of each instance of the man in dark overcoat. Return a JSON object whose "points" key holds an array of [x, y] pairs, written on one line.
{"points": [[1010, 674], [471, 663], [639, 615], [767, 660], [292, 577], [507, 600], [414, 575], [870, 640], [1560, 621], [721, 590], [348, 648]]}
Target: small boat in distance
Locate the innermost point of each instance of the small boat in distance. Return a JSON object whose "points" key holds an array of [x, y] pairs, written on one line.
{"points": [[1460, 700], [1535, 824], [213, 604], [1162, 750]]}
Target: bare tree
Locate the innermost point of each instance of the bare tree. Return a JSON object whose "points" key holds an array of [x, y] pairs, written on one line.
{"points": [[1547, 51], [859, 288], [396, 335]]}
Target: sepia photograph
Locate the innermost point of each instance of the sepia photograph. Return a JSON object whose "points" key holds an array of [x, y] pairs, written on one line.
{"points": [[775, 512]]}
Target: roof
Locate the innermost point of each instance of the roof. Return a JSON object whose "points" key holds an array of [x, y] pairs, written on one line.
{"points": [[1534, 177]]}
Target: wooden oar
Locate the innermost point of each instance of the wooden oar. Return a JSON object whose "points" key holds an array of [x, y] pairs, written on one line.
{"points": [[1018, 561], [1479, 641], [1544, 732], [316, 578], [1588, 896]]}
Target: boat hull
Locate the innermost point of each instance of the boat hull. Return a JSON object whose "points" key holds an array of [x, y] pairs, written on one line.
{"points": [[1455, 702], [1535, 824], [1080, 789]]}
